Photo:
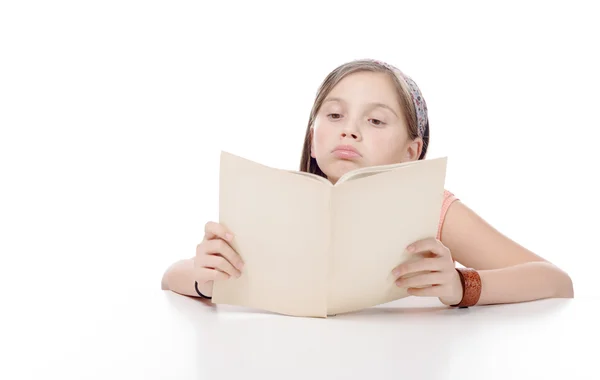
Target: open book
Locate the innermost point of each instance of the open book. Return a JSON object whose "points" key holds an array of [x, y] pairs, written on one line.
{"points": [[315, 249]]}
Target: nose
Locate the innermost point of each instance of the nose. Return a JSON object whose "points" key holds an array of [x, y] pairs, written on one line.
{"points": [[349, 135], [350, 130]]}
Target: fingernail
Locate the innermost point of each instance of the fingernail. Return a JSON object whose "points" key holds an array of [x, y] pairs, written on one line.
{"points": [[240, 266], [396, 272], [228, 236], [410, 248]]}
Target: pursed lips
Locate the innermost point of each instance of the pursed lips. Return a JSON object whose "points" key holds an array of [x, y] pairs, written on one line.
{"points": [[346, 151]]}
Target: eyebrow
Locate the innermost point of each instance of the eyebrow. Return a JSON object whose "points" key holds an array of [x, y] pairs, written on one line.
{"points": [[376, 104]]}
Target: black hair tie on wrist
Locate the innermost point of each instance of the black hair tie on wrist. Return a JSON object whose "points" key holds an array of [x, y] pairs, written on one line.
{"points": [[200, 294]]}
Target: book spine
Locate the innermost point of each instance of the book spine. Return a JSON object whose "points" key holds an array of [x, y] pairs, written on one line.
{"points": [[330, 245]]}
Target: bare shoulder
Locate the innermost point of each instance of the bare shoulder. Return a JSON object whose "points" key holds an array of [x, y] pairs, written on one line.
{"points": [[476, 244]]}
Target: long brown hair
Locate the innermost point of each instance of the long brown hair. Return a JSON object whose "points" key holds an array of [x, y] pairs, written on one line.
{"points": [[308, 163]]}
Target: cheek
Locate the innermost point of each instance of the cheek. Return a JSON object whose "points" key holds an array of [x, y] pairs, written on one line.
{"points": [[387, 147], [320, 137]]}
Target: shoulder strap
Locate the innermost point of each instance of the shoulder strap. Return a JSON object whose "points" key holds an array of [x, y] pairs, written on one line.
{"points": [[448, 199]]}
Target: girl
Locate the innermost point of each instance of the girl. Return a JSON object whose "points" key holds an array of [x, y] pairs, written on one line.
{"points": [[369, 113]]}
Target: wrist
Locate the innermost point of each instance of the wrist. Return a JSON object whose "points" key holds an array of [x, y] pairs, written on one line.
{"points": [[457, 292], [204, 289], [471, 287], [451, 300]]}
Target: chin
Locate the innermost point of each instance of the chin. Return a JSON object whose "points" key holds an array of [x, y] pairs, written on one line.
{"points": [[338, 168]]}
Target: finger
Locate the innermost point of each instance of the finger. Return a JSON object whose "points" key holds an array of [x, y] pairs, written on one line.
{"points": [[429, 291], [429, 245], [427, 264], [214, 230], [425, 279], [220, 263], [207, 274], [218, 246]]}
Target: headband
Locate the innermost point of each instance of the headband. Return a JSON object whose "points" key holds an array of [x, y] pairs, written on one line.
{"points": [[417, 98]]}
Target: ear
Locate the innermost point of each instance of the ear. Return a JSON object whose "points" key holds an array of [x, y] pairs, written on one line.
{"points": [[312, 144], [413, 150]]}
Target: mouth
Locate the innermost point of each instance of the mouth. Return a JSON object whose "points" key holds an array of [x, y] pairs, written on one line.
{"points": [[346, 152]]}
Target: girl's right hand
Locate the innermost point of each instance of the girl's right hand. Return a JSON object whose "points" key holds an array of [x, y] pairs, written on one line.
{"points": [[215, 259]]}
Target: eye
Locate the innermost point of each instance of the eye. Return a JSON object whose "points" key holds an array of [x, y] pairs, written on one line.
{"points": [[376, 122], [334, 116]]}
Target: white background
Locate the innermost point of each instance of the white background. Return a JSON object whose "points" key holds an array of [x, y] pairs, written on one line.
{"points": [[113, 114]]}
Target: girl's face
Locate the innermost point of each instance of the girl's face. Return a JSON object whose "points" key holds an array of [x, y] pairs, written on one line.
{"points": [[361, 124]]}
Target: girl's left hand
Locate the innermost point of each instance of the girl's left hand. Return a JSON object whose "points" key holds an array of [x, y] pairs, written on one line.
{"points": [[440, 278]]}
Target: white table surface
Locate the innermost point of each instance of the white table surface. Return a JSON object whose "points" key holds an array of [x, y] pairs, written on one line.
{"points": [[163, 335]]}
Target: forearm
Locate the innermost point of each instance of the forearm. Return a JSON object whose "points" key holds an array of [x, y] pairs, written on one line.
{"points": [[524, 282], [180, 278]]}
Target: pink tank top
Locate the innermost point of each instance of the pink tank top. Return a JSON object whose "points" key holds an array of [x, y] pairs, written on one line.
{"points": [[448, 199]]}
